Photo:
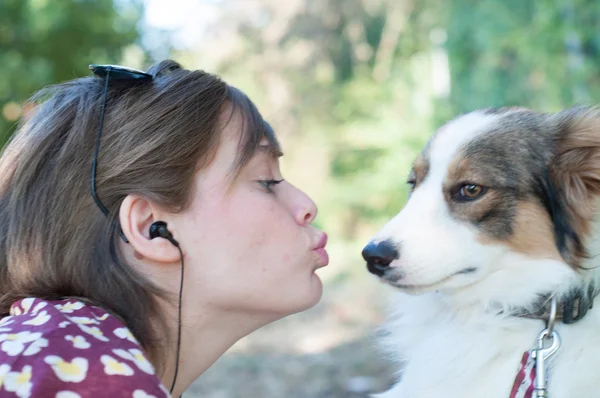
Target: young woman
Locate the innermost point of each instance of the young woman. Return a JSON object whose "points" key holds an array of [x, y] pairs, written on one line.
{"points": [[145, 229]]}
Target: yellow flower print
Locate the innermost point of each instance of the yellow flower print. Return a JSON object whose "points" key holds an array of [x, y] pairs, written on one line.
{"points": [[14, 343], [103, 317], [114, 367], [78, 342], [124, 333], [40, 319], [4, 369], [74, 371], [67, 394], [137, 356], [142, 394], [69, 307], [15, 311], [19, 382], [94, 331]]}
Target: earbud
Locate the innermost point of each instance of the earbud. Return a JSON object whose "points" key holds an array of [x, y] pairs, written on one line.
{"points": [[159, 230]]}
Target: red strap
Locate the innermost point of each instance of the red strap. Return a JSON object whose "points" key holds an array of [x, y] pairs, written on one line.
{"points": [[523, 386]]}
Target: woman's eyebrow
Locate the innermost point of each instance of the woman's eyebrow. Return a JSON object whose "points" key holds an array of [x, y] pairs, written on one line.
{"points": [[270, 150]]}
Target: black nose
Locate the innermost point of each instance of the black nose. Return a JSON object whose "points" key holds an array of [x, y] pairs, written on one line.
{"points": [[379, 256]]}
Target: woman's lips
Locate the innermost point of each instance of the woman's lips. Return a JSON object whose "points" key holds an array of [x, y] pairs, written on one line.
{"points": [[320, 250]]}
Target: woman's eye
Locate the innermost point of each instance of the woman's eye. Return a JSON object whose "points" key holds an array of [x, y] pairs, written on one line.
{"points": [[412, 183], [471, 191], [269, 184]]}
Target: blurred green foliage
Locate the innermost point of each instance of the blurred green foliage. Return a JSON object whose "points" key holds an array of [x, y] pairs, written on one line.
{"points": [[49, 41], [367, 80], [542, 54]]}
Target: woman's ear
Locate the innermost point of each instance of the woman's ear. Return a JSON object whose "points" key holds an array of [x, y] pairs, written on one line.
{"points": [[574, 175], [136, 215]]}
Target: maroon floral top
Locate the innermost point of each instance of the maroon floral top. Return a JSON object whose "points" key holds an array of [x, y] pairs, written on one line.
{"points": [[68, 349]]}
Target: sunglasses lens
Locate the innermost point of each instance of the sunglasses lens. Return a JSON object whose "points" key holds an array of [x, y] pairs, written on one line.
{"points": [[119, 72]]}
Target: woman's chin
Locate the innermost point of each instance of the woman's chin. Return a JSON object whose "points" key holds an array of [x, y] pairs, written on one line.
{"points": [[310, 297], [316, 290]]}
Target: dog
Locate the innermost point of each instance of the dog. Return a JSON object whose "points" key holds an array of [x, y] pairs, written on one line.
{"points": [[498, 242]]}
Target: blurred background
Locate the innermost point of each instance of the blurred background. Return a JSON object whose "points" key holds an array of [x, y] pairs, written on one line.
{"points": [[354, 88]]}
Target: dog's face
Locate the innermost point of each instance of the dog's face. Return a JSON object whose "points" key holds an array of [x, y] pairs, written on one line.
{"points": [[493, 189]]}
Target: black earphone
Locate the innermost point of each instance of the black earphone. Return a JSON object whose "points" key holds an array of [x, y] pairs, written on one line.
{"points": [[159, 229]]}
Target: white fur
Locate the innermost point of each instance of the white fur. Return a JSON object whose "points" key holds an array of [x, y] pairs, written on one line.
{"points": [[446, 337]]}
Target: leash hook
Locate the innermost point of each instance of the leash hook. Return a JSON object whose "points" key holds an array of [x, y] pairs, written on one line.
{"points": [[552, 315], [541, 353]]}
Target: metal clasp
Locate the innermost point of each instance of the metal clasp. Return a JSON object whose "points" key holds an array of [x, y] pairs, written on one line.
{"points": [[541, 353]]}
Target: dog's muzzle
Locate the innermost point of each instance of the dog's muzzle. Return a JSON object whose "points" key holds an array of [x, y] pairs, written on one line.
{"points": [[379, 256]]}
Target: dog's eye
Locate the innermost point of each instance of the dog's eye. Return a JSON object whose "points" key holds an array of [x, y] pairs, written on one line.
{"points": [[471, 191]]}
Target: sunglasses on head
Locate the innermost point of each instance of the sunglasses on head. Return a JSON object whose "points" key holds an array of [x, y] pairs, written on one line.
{"points": [[120, 74]]}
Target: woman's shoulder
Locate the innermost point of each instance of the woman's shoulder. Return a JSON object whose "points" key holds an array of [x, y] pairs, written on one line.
{"points": [[70, 348]]}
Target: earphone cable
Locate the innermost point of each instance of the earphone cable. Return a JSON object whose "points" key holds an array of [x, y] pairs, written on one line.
{"points": [[178, 322]]}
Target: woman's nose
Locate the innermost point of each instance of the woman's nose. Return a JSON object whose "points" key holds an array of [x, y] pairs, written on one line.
{"points": [[305, 209]]}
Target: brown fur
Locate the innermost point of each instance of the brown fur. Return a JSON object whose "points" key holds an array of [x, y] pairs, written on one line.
{"points": [[532, 233], [420, 168], [460, 170], [575, 170]]}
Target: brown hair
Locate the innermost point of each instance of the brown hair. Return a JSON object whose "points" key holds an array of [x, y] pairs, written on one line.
{"points": [[55, 242]]}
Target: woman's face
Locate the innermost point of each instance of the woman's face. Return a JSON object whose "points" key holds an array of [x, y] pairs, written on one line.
{"points": [[249, 244]]}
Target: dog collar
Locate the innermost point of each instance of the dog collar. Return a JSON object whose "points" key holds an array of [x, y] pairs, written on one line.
{"points": [[572, 308]]}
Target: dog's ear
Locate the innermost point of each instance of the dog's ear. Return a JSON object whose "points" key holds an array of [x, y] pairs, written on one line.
{"points": [[574, 178]]}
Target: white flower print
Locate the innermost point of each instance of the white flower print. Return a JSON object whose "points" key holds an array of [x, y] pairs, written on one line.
{"points": [[15, 310], [94, 331], [19, 382], [36, 347], [67, 394], [78, 341], [164, 389], [69, 307], [26, 304], [64, 324], [4, 369], [38, 307], [82, 320], [137, 356], [74, 371], [40, 319], [114, 367], [14, 343], [124, 333], [142, 394]]}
